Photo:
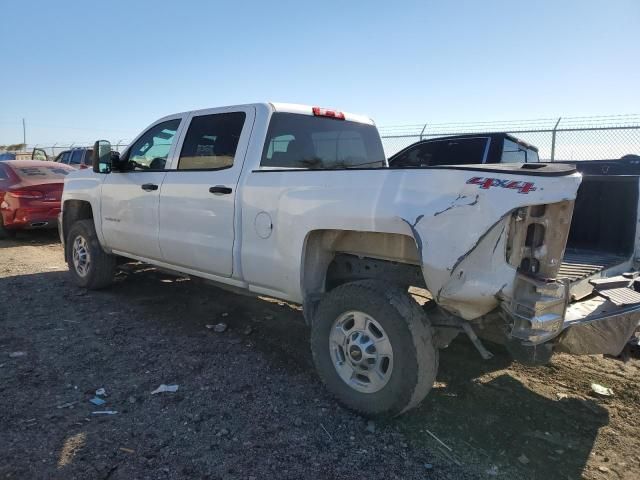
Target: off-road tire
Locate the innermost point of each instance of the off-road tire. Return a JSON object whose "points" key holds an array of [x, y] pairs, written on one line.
{"points": [[415, 359], [5, 232], [102, 268]]}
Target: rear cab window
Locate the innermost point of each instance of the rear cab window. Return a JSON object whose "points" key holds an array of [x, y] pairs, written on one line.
{"points": [[297, 141]]}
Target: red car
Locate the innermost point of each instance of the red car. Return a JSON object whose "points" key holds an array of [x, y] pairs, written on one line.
{"points": [[30, 193]]}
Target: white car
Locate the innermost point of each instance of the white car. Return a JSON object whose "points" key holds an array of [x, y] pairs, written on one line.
{"points": [[298, 203]]}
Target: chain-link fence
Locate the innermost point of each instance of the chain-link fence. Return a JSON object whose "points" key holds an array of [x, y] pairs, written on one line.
{"points": [[53, 150], [574, 138]]}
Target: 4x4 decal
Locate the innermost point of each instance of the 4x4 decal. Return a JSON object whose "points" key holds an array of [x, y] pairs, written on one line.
{"points": [[486, 183]]}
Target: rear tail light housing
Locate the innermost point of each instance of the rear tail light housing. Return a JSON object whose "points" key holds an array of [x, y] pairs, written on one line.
{"points": [[31, 194], [324, 112]]}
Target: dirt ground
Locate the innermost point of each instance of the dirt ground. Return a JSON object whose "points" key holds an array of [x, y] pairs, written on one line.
{"points": [[249, 404]]}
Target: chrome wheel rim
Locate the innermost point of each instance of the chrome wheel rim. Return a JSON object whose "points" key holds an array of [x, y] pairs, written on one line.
{"points": [[81, 256], [361, 351]]}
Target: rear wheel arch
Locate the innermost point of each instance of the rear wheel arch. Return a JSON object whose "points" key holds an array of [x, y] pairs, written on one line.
{"points": [[371, 255]]}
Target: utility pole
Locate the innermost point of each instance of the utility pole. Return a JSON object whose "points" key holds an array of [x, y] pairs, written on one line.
{"points": [[24, 134]]}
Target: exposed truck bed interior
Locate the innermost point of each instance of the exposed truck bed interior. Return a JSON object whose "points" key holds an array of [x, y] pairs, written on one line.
{"points": [[603, 227]]}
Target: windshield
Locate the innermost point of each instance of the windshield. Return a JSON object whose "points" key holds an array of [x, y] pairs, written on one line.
{"points": [[303, 141], [7, 156]]}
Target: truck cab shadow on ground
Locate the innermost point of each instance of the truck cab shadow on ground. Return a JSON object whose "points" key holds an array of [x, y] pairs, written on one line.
{"points": [[481, 410]]}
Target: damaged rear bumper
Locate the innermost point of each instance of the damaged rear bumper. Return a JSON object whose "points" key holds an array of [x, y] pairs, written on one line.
{"points": [[541, 313], [597, 326]]}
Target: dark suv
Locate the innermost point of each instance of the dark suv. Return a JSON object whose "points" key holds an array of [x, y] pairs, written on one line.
{"points": [[80, 157]]}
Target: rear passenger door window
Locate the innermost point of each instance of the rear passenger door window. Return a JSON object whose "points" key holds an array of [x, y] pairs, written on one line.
{"points": [[76, 157], [211, 141]]}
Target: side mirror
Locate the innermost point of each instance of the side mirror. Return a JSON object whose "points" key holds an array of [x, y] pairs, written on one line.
{"points": [[102, 156]]}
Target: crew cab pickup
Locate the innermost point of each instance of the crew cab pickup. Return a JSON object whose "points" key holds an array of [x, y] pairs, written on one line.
{"points": [[299, 203]]}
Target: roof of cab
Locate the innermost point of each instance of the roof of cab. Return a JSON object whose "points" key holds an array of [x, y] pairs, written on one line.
{"points": [[308, 110], [278, 107]]}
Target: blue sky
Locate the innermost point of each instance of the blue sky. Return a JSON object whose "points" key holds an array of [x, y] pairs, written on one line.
{"points": [[78, 72]]}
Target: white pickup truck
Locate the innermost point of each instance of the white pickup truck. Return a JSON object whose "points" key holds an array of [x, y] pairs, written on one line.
{"points": [[299, 203]]}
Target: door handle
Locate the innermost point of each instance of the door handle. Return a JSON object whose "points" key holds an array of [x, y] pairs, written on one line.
{"points": [[149, 187], [220, 190]]}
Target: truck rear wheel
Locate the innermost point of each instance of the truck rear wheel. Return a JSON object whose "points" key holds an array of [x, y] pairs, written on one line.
{"points": [[90, 266], [373, 348]]}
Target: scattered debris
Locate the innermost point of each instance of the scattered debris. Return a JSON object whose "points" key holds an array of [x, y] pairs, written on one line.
{"points": [[439, 441], [210, 326], [165, 388], [428, 466], [223, 432], [219, 327], [268, 317], [101, 392], [132, 399], [225, 314], [327, 432], [493, 471], [104, 412], [126, 450], [562, 396], [600, 390], [247, 330], [297, 422], [371, 426], [523, 459], [67, 405], [97, 401], [17, 354], [603, 469]]}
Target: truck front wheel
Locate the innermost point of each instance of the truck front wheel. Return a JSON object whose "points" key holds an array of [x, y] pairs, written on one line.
{"points": [[373, 348], [90, 266]]}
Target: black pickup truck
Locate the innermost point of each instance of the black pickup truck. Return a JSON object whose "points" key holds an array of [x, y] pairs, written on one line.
{"points": [[465, 149]]}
